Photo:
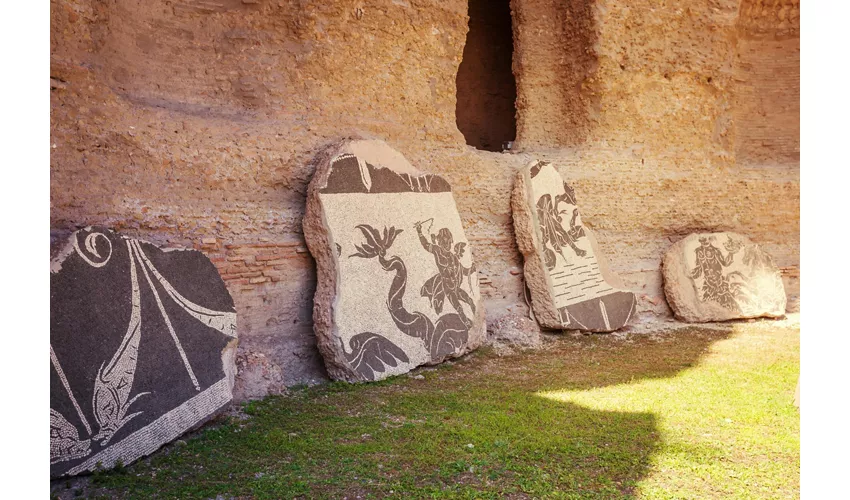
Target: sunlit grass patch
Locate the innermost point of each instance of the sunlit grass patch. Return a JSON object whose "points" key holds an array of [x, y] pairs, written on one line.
{"points": [[726, 425]]}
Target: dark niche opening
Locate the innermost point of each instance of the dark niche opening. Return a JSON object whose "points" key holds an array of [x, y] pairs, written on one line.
{"points": [[486, 89]]}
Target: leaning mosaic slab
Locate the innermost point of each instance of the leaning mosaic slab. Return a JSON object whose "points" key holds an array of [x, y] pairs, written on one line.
{"points": [[397, 285], [721, 276], [142, 348], [570, 284]]}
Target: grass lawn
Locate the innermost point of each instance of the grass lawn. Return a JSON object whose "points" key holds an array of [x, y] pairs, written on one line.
{"points": [[695, 412]]}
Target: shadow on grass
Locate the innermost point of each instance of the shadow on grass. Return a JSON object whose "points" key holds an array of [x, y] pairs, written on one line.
{"points": [[474, 429]]}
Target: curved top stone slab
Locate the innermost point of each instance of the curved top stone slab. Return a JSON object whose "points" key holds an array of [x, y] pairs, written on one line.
{"points": [[397, 285], [571, 286], [142, 348], [721, 276]]}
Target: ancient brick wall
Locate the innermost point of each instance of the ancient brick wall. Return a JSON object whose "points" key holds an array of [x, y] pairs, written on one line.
{"points": [[194, 123], [766, 106], [767, 90]]}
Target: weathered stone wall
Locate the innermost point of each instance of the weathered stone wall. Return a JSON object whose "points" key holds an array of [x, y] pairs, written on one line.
{"points": [[195, 123], [649, 107], [766, 114]]}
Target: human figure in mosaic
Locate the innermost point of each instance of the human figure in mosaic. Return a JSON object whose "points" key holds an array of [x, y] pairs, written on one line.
{"points": [[448, 281], [552, 229], [568, 280], [710, 262], [705, 281]]}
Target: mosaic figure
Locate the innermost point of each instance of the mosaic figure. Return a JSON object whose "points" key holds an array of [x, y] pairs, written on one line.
{"points": [[447, 283], [567, 280], [710, 262], [705, 281]]}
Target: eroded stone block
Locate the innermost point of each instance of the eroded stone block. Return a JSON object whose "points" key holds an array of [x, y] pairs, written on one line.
{"points": [[142, 348], [571, 286], [397, 285], [721, 276], [513, 331]]}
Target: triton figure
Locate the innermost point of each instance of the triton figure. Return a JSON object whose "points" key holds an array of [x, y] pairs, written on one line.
{"points": [[446, 284]]}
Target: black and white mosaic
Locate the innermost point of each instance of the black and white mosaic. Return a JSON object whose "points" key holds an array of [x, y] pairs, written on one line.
{"points": [[398, 286], [721, 276], [142, 348], [569, 287]]}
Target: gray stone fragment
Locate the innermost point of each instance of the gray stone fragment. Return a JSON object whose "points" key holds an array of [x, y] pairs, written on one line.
{"points": [[513, 331]]}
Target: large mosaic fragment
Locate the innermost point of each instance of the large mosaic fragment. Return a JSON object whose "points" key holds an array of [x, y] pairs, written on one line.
{"points": [[721, 276], [570, 284], [397, 284], [142, 348]]}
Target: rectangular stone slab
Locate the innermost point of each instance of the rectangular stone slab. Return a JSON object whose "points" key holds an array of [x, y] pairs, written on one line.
{"points": [[570, 284], [142, 348], [397, 286]]}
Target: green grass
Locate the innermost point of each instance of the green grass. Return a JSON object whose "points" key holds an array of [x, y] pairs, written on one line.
{"points": [[693, 413]]}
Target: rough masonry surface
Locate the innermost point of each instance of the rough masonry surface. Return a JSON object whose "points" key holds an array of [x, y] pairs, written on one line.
{"points": [[142, 348]]}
